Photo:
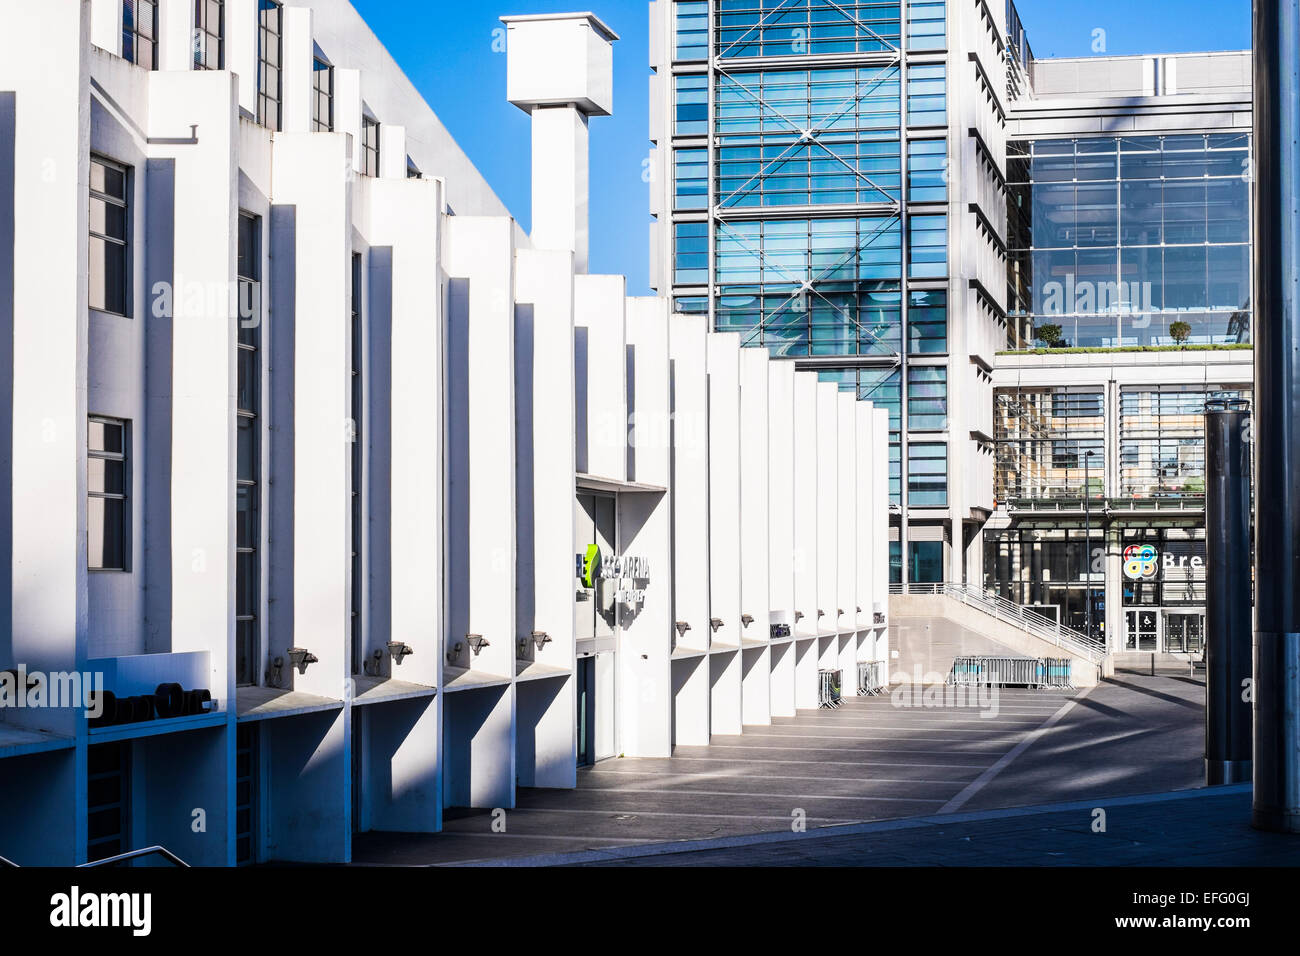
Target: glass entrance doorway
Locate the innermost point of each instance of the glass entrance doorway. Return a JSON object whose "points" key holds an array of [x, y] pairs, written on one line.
{"points": [[1143, 632], [1184, 632], [596, 537]]}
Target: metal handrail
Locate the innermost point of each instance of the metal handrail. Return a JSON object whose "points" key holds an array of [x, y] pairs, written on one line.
{"points": [[1029, 621], [137, 854]]}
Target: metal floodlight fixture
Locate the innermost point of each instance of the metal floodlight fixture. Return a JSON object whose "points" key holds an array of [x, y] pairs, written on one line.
{"points": [[715, 623], [840, 611], [859, 608], [682, 628], [820, 613], [300, 657], [400, 650], [746, 619], [798, 616], [541, 639], [477, 642]]}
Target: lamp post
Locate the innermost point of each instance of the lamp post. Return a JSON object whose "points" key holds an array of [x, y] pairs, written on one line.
{"points": [[1276, 758]]}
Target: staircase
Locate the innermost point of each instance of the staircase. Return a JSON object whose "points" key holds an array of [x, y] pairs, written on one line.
{"points": [[936, 623]]}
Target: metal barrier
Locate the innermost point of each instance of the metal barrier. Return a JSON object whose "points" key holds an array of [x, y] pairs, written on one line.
{"points": [[1037, 672], [829, 696], [1031, 622], [871, 681]]}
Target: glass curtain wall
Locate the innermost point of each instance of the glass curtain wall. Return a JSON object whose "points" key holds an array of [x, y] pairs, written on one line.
{"points": [[1130, 241]]}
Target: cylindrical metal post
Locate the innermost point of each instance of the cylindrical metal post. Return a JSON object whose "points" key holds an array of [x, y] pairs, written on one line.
{"points": [[1229, 623], [1277, 418]]}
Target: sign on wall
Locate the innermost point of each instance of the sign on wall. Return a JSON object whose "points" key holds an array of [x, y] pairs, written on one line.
{"points": [[593, 568]]}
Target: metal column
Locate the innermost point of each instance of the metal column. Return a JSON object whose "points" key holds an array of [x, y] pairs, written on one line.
{"points": [[1228, 630], [1277, 420]]}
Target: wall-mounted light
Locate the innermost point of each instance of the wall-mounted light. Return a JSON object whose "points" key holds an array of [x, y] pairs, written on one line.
{"points": [[399, 651], [682, 628], [300, 657], [715, 623], [746, 619], [541, 639], [798, 616], [820, 614], [477, 642], [840, 611]]}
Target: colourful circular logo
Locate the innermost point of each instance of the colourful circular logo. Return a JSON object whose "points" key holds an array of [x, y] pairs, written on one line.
{"points": [[1141, 561]]}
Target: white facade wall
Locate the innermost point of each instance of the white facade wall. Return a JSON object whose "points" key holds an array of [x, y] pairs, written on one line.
{"points": [[496, 382]]}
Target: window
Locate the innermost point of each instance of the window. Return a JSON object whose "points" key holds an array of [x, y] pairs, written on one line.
{"points": [[110, 258], [108, 484], [928, 247], [691, 105], [369, 146], [140, 32], [812, 287], [927, 398], [357, 386], [691, 29], [925, 25], [270, 50], [691, 179], [246, 787], [322, 119], [927, 323], [851, 156], [927, 475], [108, 800], [209, 34], [809, 27], [248, 505], [691, 255], [1044, 436], [1114, 239], [927, 95], [927, 170]]}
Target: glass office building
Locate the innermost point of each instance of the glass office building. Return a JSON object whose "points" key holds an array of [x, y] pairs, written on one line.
{"points": [[813, 174], [1040, 267]]}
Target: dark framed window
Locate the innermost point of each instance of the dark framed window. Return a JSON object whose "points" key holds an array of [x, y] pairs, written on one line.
{"points": [[108, 800], [369, 146], [927, 475], [927, 398], [927, 323], [209, 34], [140, 32], [246, 786], [248, 468], [322, 117], [110, 248], [108, 485], [270, 53]]}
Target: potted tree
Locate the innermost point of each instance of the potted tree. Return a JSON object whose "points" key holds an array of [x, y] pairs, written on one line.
{"points": [[1051, 334], [1180, 332]]}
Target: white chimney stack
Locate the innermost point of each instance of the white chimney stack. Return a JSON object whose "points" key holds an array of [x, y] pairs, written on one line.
{"points": [[560, 68]]}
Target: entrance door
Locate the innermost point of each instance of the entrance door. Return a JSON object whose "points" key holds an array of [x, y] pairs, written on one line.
{"points": [[1184, 632], [586, 711], [1143, 630]]}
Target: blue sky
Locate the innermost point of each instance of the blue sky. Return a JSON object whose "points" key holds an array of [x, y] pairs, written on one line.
{"points": [[446, 48]]}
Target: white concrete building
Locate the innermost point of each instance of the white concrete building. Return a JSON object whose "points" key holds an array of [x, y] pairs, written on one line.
{"points": [[351, 500]]}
